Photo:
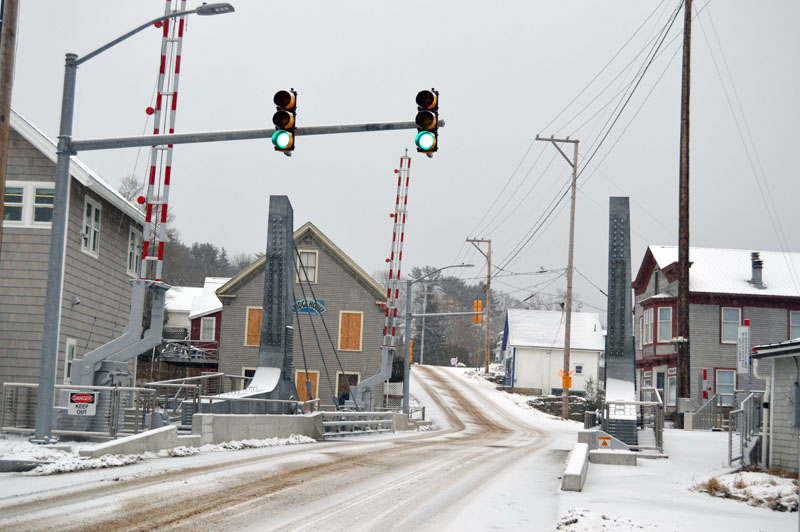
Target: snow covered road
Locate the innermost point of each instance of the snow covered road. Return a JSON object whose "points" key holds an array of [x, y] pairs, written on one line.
{"points": [[413, 481], [492, 465]]}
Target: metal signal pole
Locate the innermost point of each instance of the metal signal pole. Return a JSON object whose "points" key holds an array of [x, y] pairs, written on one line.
{"points": [[488, 256], [8, 39], [683, 215], [570, 268]]}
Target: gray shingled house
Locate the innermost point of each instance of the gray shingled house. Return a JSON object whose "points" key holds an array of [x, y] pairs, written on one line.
{"points": [[726, 287], [347, 298], [104, 234]]}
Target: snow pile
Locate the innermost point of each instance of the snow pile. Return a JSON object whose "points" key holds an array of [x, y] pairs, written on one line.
{"points": [[65, 457], [754, 488], [70, 463], [578, 520], [237, 445]]}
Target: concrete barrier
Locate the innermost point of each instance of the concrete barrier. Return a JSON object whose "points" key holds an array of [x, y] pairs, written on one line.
{"points": [[218, 428], [152, 440], [575, 473], [612, 457]]}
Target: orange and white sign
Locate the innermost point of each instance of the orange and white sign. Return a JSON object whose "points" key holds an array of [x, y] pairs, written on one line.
{"points": [[604, 441]]}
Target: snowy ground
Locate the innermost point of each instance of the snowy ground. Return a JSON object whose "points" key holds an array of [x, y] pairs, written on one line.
{"points": [[516, 493]]}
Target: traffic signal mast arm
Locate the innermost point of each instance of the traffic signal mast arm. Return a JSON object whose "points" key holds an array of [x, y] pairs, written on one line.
{"points": [[74, 146]]}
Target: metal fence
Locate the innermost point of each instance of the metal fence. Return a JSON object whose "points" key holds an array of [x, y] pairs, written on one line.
{"points": [[356, 422], [118, 410]]}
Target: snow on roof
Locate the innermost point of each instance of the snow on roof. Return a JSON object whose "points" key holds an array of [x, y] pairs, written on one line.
{"points": [[207, 302], [78, 168], [728, 271], [179, 298], [545, 328]]}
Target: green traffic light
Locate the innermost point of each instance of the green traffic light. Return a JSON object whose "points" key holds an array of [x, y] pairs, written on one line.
{"points": [[283, 140], [425, 140]]}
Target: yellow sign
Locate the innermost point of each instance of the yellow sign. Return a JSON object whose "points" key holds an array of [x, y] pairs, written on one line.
{"points": [[566, 382]]}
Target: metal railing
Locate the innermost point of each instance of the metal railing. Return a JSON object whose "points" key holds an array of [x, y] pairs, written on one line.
{"points": [[743, 427], [119, 410], [190, 349], [710, 415], [254, 406]]}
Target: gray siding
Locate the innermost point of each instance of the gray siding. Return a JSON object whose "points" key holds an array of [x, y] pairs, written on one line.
{"points": [[785, 437], [767, 326], [341, 290], [101, 283]]}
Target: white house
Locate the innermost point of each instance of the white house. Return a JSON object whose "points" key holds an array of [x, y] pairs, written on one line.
{"points": [[533, 344]]}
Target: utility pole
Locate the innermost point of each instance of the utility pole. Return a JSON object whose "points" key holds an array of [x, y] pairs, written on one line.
{"points": [[683, 217], [488, 256], [8, 39], [570, 267]]}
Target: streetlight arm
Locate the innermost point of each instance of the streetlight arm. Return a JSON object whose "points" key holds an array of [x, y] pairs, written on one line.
{"points": [[412, 281], [212, 9]]}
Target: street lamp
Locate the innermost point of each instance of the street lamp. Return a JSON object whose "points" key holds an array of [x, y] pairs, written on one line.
{"points": [[52, 306], [407, 364]]}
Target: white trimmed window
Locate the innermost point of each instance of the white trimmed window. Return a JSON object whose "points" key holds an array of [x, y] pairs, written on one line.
{"points": [[664, 324], [726, 385], [90, 241], [578, 369], [307, 266], [648, 327], [69, 357], [647, 379], [135, 242], [207, 326], [731, 318], [794, 324], [28, 204]]}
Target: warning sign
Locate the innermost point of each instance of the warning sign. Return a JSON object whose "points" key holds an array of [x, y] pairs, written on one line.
{"points": [[82, 404], [604, 441]]}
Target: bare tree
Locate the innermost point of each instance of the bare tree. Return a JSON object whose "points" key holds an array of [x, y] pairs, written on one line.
{"points": [[131, 188]]}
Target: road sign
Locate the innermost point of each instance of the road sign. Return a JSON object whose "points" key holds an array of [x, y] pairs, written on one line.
{"points": [[566, 382], [82, 403], [605, 441]]}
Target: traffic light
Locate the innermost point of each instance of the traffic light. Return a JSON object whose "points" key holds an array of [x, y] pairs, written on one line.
{"points": [[427, 121], [477, 306], [284, 120]]}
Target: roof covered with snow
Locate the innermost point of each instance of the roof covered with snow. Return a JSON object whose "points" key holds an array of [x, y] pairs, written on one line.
{"points": [[78, 169], [207, 302], [545, 328], [179, 298], [728, 271]]}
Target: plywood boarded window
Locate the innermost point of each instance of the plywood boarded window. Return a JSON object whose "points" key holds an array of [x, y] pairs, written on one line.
{"points": [[303, 379], [252, 335], [350, 330]]}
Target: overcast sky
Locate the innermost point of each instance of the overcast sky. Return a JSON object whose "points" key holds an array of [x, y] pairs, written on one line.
{"points": [[506, 71]]}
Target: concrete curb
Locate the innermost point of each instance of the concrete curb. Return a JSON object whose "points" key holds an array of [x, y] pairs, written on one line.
{"points": [[577, 466]]}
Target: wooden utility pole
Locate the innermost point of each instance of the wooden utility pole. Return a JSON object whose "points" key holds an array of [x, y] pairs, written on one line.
{"points": [[566, 378], [488, 256], [8, 39], [683, 216]]}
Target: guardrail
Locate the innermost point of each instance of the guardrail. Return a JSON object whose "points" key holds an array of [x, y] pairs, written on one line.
{"points": [[118, 410], [357, 422]]}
